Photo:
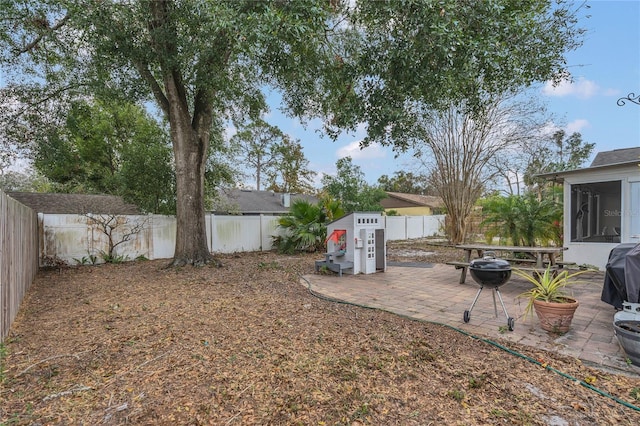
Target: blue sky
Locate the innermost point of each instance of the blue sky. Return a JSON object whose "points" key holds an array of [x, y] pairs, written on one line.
{"points": [[604, 69]]}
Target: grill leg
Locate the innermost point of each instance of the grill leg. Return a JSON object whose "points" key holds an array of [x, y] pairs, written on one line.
{"points": [[510, 321], [501, 302], [476, 299], [495, 307]]}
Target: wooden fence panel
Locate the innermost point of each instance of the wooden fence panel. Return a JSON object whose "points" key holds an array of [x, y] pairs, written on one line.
{"points": [[18, 257]]}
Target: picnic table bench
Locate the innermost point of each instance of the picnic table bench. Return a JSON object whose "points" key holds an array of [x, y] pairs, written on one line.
{"points": [[540, 263]]}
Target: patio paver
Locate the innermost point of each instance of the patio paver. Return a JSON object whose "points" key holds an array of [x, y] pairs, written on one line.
{"points": [[433, 294]]}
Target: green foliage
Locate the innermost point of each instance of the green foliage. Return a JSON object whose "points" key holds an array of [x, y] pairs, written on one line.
{"points": [[477, 382], [305, 228], [436, 51], [257, 142], [292, 173], [271, 155], [273, 265], [113, 258], [406, 182], [459, 146], [350, 188], [221, 168], [118, 230], [332, 208], [110, 148], [85, 260], [457, 395], [522, 219], [24, 181], [549, 286], [561, 153], [3, 355]]}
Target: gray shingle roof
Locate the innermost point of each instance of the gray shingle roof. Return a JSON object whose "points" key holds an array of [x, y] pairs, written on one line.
{"points": [[617, 156], [74, 203], [240, 201]]}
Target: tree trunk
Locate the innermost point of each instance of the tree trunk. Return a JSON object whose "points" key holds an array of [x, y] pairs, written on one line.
{"points": [[190, 146], [191, 236]]}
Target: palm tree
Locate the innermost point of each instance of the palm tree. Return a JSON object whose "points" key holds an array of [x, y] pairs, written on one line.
{"points": [[305, 228], [522, 219], [501, 218], [536, 218]]}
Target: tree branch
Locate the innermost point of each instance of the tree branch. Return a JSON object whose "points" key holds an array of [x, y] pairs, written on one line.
{"points": [[143, 69], [75, 389], [49, 359], [167, 51], [39, 38]]}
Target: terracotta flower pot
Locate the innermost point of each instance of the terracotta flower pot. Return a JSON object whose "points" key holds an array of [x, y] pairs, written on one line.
{"points": [[555, 317]]}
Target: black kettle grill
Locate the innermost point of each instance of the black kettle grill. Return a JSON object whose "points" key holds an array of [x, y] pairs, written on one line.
{"points": [[492, 272]]}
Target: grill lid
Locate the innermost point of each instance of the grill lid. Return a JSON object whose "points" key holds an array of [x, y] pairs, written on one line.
{"points": [[489, 262]]}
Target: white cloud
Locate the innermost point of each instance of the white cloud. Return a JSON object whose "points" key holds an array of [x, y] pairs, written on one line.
{"points": [[611, 92], [581, 88], [576, 126], [375, 150]]}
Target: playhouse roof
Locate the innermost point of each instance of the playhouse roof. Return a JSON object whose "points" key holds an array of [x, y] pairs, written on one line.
{"points": [[352, 217]]}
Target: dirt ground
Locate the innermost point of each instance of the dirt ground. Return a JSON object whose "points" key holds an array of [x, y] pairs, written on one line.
{"points": [[244, 344]]}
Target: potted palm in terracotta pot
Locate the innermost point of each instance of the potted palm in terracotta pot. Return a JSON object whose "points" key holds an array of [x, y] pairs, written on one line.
{"points": [[549, 298]]}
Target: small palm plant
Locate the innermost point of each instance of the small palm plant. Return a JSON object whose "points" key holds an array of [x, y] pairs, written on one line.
{"points": [[549, 286], [548, 297], [305, 228]]}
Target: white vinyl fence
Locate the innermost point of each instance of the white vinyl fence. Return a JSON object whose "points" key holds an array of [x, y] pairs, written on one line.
{"points": [[76, 238], [398, 228]]}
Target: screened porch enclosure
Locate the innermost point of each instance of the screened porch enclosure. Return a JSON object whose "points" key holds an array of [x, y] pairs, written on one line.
{"points": [[596, 212]]}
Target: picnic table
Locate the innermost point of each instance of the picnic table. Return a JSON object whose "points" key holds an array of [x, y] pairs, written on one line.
{"points": [[538, 252]]}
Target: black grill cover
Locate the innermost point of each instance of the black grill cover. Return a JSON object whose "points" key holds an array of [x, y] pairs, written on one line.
{"points": [[616, 289], [632, 274]]}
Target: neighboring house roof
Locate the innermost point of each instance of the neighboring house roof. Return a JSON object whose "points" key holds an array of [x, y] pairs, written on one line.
{"points": [[74, 203], [241, 201], [399, 199], [618, 158]]}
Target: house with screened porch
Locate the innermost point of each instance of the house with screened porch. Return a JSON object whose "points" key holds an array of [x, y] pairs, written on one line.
{"points": [[601, 206]]}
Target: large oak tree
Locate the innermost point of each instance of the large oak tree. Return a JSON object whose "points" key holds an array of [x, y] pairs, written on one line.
{"points": [[349, 62]]}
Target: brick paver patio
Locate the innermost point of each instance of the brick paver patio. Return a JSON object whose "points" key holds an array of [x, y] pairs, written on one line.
{"points": [[433, 294]]}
